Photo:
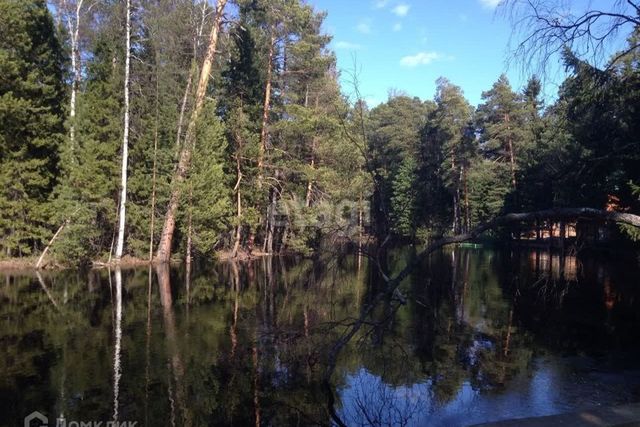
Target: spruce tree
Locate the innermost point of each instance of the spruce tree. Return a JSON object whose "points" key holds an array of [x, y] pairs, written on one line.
{"points": [[207, 194], [31, 122], [88, 193]]}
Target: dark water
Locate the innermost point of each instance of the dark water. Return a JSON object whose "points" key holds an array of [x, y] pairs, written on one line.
{"points": [[484, 335]]}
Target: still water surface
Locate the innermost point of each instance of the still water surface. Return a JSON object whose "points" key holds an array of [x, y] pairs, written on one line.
{"points": [[484, 335]]}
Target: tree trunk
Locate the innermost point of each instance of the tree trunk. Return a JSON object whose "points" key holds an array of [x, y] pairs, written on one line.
{"points": [[313, 148], [154, 172], [236, 244], [72, 18], [512, 157], [467, 210], [74, 33], [53, 239], [271, 211], [164, 248], [456, 197], [125, 139], [192, 71], [264, 134], [189, 229], [183, 108], [310, 183], [512, 160]]}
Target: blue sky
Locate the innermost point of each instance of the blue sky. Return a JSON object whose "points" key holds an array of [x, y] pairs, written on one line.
{"points": [[408, 44]]}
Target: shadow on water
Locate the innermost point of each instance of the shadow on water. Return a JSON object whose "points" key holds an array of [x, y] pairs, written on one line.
{"points": [[479, 335]]}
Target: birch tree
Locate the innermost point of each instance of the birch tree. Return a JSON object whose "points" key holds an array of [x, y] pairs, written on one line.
{"points": [[125, 138], [70, 15]]}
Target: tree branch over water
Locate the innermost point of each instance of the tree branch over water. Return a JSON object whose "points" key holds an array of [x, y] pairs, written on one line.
{"points": [[392, 295], [548, 214]]}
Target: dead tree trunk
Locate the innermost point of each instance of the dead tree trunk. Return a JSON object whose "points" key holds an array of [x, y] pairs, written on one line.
{"points": [[185, 97], [164, 247], [238, 236], [183, 107], [264, 134], [53, 239]]}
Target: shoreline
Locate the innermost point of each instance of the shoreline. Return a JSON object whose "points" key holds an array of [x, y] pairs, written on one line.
{"points": [[127, 262]]}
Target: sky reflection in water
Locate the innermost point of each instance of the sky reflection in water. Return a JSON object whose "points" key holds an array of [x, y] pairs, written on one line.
{"points": [[485, 335]]}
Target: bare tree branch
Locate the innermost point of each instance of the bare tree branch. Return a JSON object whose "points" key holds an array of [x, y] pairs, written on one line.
{"points": [[392, 294], [544, 28]]}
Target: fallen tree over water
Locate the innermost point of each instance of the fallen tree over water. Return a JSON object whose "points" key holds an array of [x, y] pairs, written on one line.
{"points": [[515, 218], [392, 295]]}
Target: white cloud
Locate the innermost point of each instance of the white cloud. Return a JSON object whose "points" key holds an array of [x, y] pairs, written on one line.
{"points": [[379, 4], [490, 4], [364, 27], [347, 45], [420, 58], [401, 10], [397, 27]]}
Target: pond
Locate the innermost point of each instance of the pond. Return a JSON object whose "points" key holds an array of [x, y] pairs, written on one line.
{"points": [[477, 335]]}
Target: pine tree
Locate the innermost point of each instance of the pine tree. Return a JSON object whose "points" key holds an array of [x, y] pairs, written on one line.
{"points": [[448, 149], [503, 130], [394, 136]]}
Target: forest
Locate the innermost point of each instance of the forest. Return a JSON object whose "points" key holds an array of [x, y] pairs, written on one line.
{"points": [[176, 128]]}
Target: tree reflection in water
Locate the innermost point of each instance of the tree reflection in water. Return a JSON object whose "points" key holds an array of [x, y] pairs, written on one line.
{"points": [[473, 335]]}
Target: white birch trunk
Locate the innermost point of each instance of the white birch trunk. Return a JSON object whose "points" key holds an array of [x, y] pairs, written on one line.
{"points": [[73, 28], [125, 139]]}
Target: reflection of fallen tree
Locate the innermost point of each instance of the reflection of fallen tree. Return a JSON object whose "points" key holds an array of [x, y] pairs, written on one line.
{"points": [[392, 296], [515, 218], [175, 363]]}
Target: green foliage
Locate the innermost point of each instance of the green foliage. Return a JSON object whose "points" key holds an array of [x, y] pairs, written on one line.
{"points": [[209, 204], [332, 169], [87, 195], [632, 232], [488, 188], [448, 147], [31, 122], [403, 199]]}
